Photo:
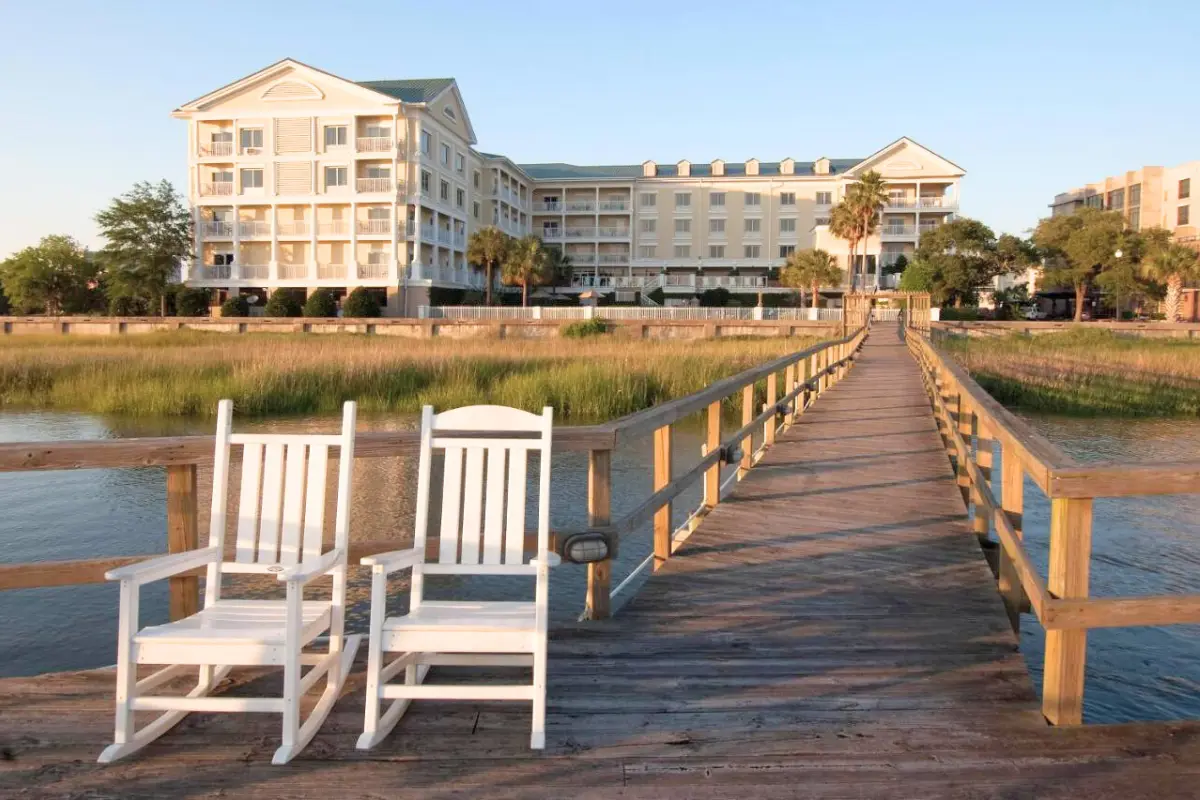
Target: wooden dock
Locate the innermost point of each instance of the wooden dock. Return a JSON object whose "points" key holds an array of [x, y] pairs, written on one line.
{"points": [[832, 629]]}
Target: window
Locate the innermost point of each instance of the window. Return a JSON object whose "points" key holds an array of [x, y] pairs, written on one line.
{"points": [[335, 176], [716, 226], [787, 199], [1135, 218], [221, 137], [378, 171], [379, 213], [426, 182], [752, 198], [647, 251], [377, 131], [716, 251], [752, 250], [1116, 200], [683, 199], [445, 154], [821, 221], [752, 225], [376, 255], [222, 176], [649, 199], [426, 142], [1185, 188], [786, 250], [1181, 216], [649, 225], [335, 136], [1135, 195], [460, 198], [460, 163], [252, 179], [787, 226], [222, 259], [824, 198], [475, 210], [716, 200], [444, 192], [252, 139], [683, 251], [449, 112], [475, 179], [683, 226]]}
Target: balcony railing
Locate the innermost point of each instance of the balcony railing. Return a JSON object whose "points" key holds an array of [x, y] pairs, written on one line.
{"points": [[218, 189], [547, 208], [374, 184], [614, 205], [582, 259], [427, 232], [339, 227], [613, 233], [298, 228], [934, 202], [552, 234], [460, 240], [901, 202], [293, 272], [926, 227], [255, 272], [216, 272], [372, 271], [609, 258], [216, 229], [444, 236], [254, 228], [375, 144], [217, 149], [579, 233], [899, 230], [580, 206], [331, 272], [374, 226]]}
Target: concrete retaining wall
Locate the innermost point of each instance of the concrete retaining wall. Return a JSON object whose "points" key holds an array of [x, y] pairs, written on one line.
{"points": [[1156, 330]]}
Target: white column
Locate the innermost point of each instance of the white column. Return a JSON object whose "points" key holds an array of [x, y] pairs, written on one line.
{"points": [[273, 267], [236, 272], [394, 261], [312, 232], [416, 259], [353, 265], [194, 271]]}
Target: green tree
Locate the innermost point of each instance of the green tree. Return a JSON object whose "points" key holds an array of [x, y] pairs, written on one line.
{"points": [[1009, 302], [956, 259], [360, 303], [525, 264], [716, 297], [898, 266], [558, 267], [866, 200], [1172, 265], [321, 303], [192, 302], [488, 249], [149, 233], [810, 268], [1078, 248], [283, 303], [920, 276], [55, 276], [235, 306]]}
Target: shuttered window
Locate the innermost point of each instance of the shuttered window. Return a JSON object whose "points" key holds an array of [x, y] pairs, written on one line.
{"points": [[293, 178], [293, 135]]}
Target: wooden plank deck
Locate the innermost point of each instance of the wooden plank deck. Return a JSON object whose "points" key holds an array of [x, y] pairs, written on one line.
{"points": [[831, 630]]}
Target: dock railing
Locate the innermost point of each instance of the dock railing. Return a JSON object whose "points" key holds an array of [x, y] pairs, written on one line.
{"points": [[805, 375], [973, 426]]}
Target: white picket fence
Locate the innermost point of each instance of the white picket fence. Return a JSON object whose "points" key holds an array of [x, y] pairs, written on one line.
{"points": [[649, 313]]}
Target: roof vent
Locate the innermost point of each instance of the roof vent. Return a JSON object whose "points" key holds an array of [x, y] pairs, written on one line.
{"points": [[292, 90]]}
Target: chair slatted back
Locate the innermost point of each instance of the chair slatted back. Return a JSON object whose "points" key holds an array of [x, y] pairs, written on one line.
{"points": [[282, 497], [483, 492]]}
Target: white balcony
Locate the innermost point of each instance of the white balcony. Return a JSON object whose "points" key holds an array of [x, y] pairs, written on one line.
{"points": [[580, 207], [254, 229], [547, 208], [444, 236], [613, 259], [216, 229], [292, 272], [901, 202], [331, 272], [374, 144], [582, 259], [460, 240], [374, 184], [731, 281], [900, 231], [936, 201], [217, 149], [375, 226], [372, 271], [338, 227], [217, 189], [579, 233], [254, 272], [926, 227], [552, 234], [216, 272], [613, 205], [612, 233], [298, 228], [427, 232]]}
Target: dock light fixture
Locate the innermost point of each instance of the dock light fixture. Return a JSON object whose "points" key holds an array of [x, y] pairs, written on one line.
{"points": [[731, 454], [587, 547]]}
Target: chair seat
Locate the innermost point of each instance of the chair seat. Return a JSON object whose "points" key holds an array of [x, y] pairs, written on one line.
{"points": [[505, 617], [238, 622]]}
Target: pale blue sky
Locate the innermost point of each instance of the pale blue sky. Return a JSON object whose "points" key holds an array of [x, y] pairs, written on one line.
{"points": [[1031, 98]]}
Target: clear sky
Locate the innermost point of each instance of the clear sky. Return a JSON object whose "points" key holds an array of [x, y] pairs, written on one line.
{"points": [[1030, 98]]}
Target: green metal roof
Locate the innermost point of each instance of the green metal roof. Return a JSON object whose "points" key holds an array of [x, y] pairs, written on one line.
{"points": [[415, 90], [560, 171]]}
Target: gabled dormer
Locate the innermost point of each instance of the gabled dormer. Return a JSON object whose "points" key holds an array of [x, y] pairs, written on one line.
{"points": [[718, 167], [752, 166], [684, 168], [649, 169], [821, 166], [787, 166]]}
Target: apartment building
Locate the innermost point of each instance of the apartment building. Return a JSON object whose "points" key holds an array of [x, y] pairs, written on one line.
{"points": [[1147, 197], [302, 179]]}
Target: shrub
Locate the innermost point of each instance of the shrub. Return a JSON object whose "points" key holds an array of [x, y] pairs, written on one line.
{"points": [[588, 327], [360, 303], [715, 298], [191, 303], [964, 314], [235, 306], [321, 303], [127, 306], [658, 296], [283, 303]]}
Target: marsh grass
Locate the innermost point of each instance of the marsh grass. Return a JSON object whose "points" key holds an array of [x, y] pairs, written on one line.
{"points": [[1086, 372], [186, 373]]}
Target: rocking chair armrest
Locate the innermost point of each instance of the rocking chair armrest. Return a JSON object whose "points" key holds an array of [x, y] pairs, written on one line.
{"points": [[552, 560], [394, 559], [155, 569], [303, 573]]}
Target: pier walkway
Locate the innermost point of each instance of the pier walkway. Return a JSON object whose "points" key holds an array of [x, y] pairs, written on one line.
{"points": [[832, 629]]}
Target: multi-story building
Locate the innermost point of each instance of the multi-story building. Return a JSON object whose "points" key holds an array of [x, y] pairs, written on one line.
{"points": [[302, 179], [1147, 197]]}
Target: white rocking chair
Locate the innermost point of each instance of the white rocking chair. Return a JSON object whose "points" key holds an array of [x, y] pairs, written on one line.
{"points": [[281, 517], [482, 533]]}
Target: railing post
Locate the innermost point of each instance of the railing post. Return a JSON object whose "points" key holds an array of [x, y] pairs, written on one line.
{"points": [[772, 395], [599, 573], [748, 442], [983, 459], [712, 441], [789, 386], [662, 476], [182, 535], [1012, 500], [1067, 578], [965, 416]]}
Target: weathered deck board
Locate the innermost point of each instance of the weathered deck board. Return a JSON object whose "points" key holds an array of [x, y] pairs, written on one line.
{"points": [[831, 630]]}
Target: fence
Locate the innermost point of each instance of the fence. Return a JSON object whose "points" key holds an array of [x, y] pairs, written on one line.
{"points": [[648, 313]]}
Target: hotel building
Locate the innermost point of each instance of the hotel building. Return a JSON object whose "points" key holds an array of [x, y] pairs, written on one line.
{"points": [[1147, 197], [301, 179]]}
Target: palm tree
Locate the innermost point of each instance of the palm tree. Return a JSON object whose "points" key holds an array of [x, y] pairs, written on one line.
{"points": [[558, 267], [843, 224], [1173, 265], [526, 264], [487, 249], [810, 268], [867, 199]]}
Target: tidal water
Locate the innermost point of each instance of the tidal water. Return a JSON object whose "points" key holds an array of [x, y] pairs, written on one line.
{"points": [[1140, 545]]}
